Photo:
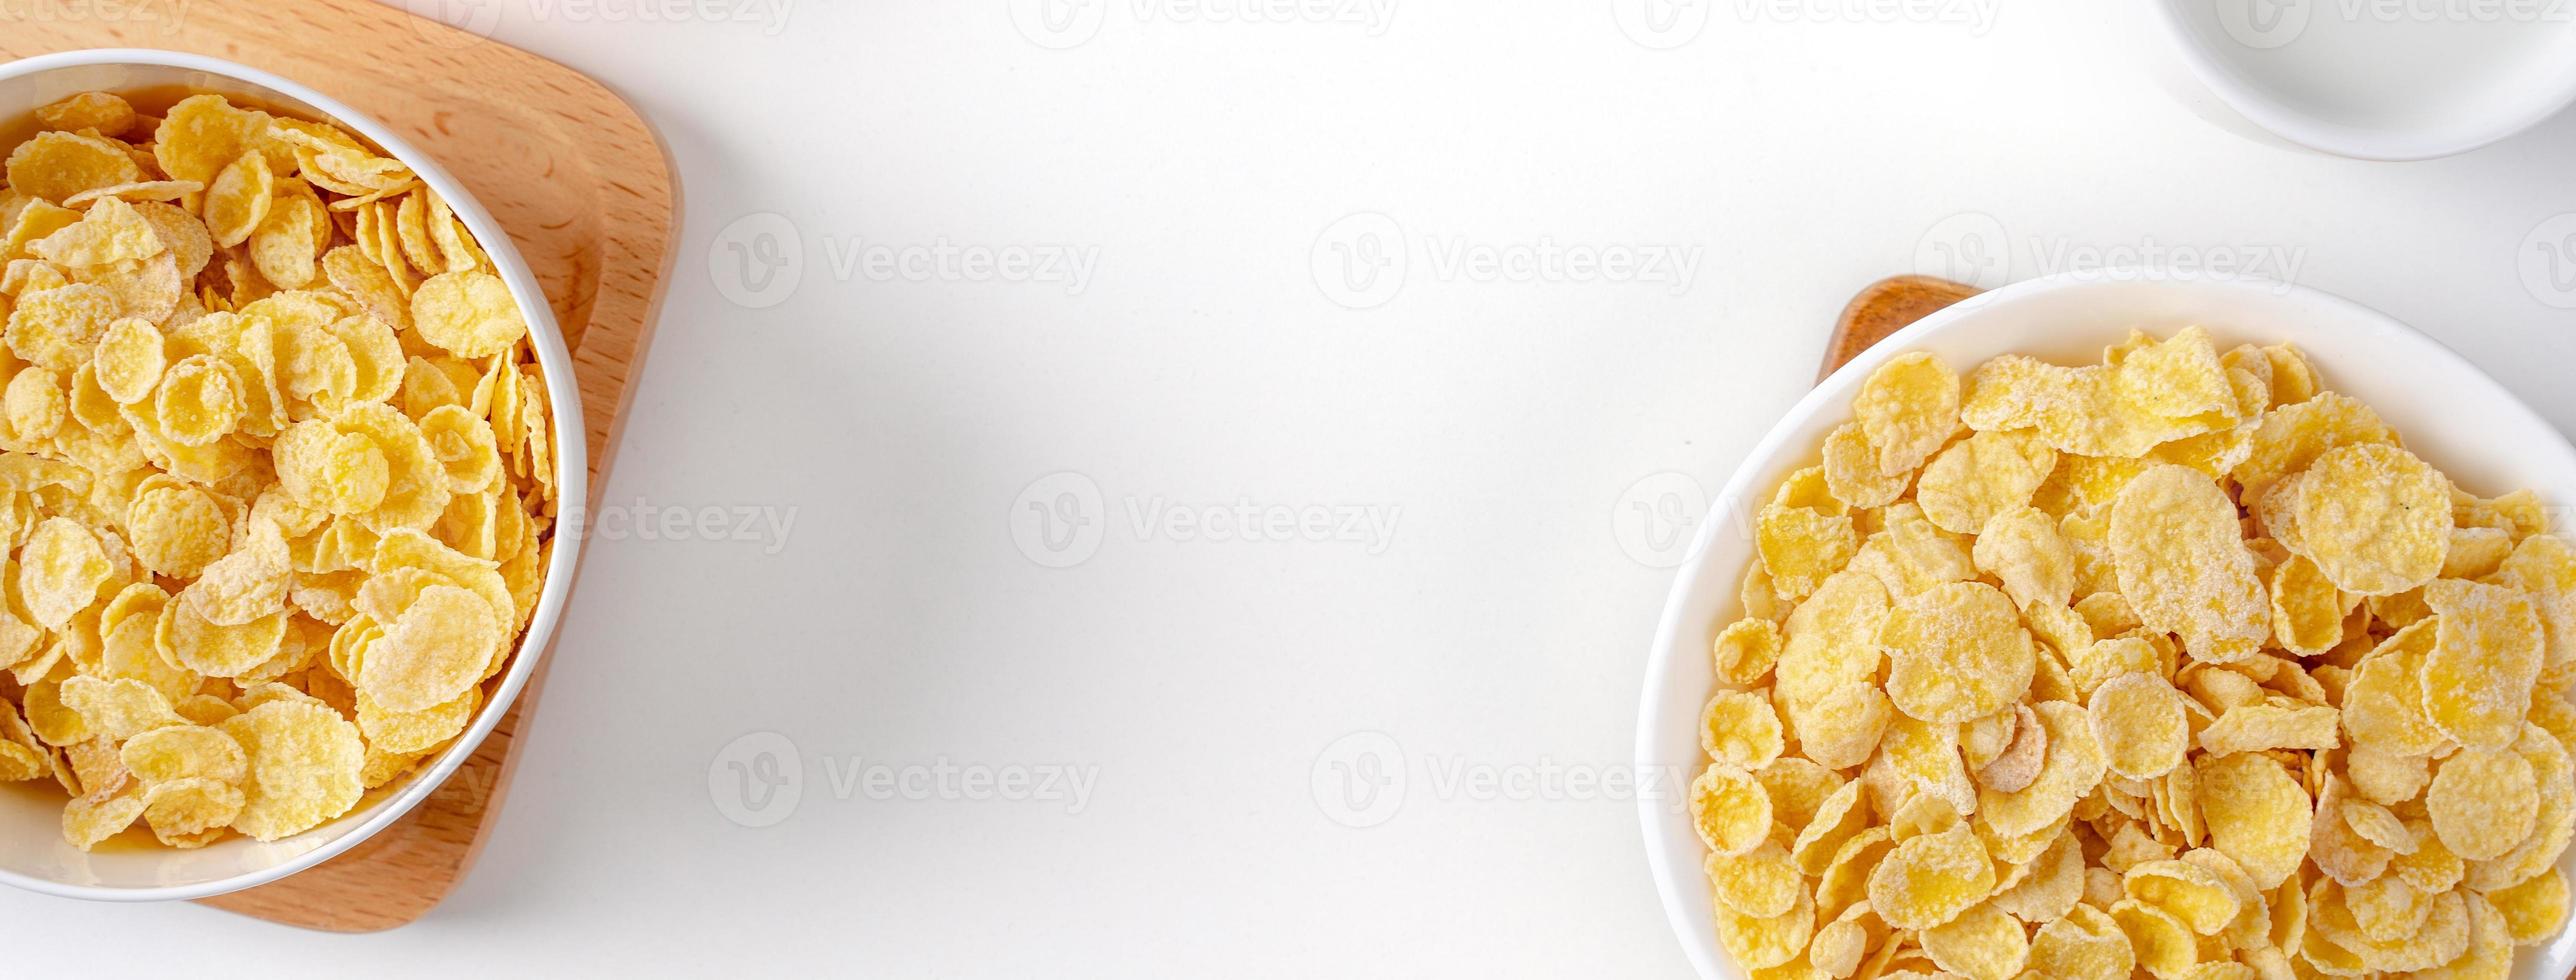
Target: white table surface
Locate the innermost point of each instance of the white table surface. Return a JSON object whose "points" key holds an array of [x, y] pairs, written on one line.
{"points": [[1491, 626]]}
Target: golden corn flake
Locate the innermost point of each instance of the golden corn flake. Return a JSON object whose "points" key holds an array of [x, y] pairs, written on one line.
{"points": [[469, 314], [1845, 725], [1800, 546], [1844, 882], [1838, 947], [1930, 879], [2175, 663], [111, 231], [2023, 549], [2280, 723], [1852, 473], [2307, 609], [2378, 825], [2072, 767], [2383, 704], [2486, 655], [1761, 885], [1836, 822], [1765, 942], [1956, 652], [1745, 651], [1985, 474], [117, 709], [129, 359], [1983, 943], [184, 751], [2162, 943], [2535, 910], [2138, 720], [101, 112], [414, 732], [102, 813], [60, 569], [1907, 409], [56, 165], [191, 811], [2556, 786], [2086, 943], [2183, 565], [304, 763], [2257, 815], [2191, 893], [1831, 640], [1731, 810], [2483, 802], [2374, 518], [1737, 728], [2022, 759]]}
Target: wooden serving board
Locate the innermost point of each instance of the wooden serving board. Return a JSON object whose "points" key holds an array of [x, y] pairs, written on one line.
{"points": [[1885, 307], [582, 185]]}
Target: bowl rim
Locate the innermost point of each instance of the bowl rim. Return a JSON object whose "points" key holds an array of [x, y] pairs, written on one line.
{"points": [[2280, 118], [571, 457], [1656, 811]]}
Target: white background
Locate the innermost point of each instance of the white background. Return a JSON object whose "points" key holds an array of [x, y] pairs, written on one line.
{"points": [[1502, 427]]}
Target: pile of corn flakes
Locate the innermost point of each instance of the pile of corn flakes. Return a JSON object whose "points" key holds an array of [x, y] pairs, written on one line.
{"points": [[276, 476], [2177, 663]]}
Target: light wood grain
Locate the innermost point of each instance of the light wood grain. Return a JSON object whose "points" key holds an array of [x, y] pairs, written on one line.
{"points": [[583, 187]]}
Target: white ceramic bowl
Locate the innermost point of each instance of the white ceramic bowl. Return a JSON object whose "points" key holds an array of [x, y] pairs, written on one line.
{"points": [[2459, 419], [32, 852], [2402, 80]]}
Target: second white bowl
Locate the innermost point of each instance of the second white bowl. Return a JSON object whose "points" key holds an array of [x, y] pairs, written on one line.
{"points": [[2450, 412]]}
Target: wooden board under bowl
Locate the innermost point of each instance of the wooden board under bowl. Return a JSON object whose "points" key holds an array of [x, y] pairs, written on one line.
{"points": [[584, 189]]}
